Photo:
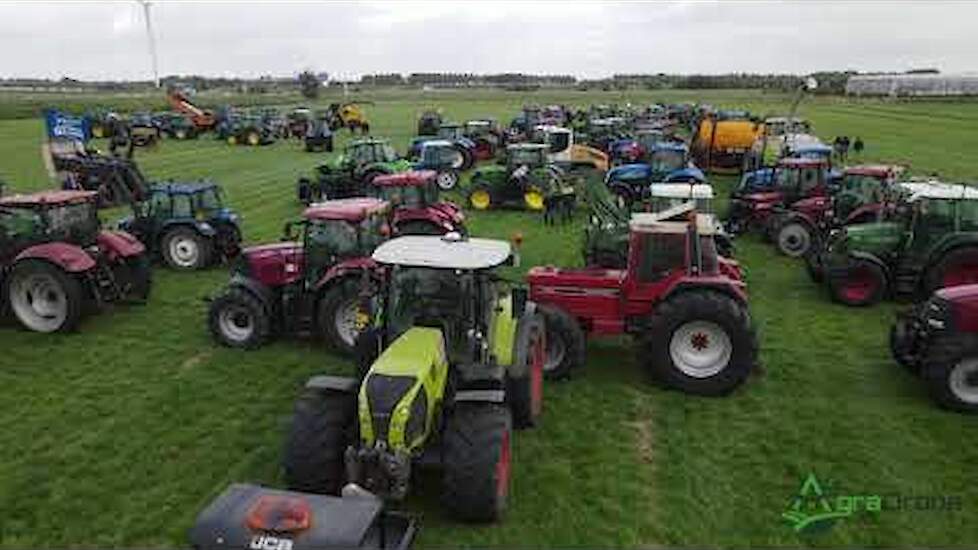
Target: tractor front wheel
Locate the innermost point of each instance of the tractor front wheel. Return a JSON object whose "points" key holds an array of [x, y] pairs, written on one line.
{"points": [[794, 239], [322, 428], [238, 319], [533, 199], [447, 180], [43, 297], [477, 461], [951, 373], [480, 198], [700, 342], [525, 392], [253, 138], [185, 249], [339, 308], [863, 283], [565, 343]]}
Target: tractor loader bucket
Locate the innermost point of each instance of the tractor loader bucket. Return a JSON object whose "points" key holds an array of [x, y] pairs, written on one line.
{"points": [[249, 516]]}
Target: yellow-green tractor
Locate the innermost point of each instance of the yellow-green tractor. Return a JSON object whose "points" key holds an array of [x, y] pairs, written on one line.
{"points": [[453, 362]]}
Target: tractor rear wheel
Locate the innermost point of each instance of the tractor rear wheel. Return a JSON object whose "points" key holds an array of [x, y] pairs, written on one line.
{"points": [[951, 372], [322, 428], [238, 319], [480, 197], [525, 392], [43, 297], [794, 239], [477, 461], [863, 283], [565, 343], [467, 159], [185, 249], [700, 342], [956, 268], [339, 307]]}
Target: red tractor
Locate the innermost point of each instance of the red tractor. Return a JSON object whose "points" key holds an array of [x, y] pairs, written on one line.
{"points": [[938, 341], [311, 282], [55, 260], [754, 202], [686, 305], [416, 206], [802, 226]]}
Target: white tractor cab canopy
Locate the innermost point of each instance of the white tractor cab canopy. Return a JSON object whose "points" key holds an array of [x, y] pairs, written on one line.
{"points": [[558, 139], [933, 189], [667, 195], [780, 126], [450, 251], [677, 201], [667, 221]]}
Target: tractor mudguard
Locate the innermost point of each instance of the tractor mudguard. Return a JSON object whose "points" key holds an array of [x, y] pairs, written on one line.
{"points": [[948, 245], [862, 255], [204, 228], [509, 336], [119, 244], [518, 365], [686, 174], [736, 290], [787, 216], [342, 384], [403, 389], [344, 269], [70, 258]]}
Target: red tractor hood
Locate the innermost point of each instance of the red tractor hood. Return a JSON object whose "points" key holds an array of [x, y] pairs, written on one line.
{"points": [[769, 198], [275, 264], [445, 214], [964, 305], [813, 206]]}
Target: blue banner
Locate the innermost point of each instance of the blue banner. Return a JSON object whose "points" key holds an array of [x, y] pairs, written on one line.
{"points": [[61, 125]]}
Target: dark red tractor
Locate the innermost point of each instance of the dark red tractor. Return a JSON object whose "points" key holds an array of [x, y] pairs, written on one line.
{"points": [[686, 306], [309, 283], [754, 203], [802, 226], [55, 260], [417, 208], [937, 340]]}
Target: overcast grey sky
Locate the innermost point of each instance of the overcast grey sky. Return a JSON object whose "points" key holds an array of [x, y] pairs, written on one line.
{"points": [[107, 40]]}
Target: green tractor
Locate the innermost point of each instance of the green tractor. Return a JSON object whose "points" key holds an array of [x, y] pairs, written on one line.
{"points": [[526, 177], [928, 239], [452, 364], [350, 173], [250, 130]]}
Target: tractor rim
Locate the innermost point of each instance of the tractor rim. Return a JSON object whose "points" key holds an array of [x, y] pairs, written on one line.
{"points": [[457, 160], [859, 285], [39, 302], [236, 323], [538, 354], [963, 381], [794, 240], [232, 140], [533, 199], [253, 139], [700, 349], [963, 273], [503, 467], [555, 352], [480, 199], [446, 180], [184, 251], [345, 321]]}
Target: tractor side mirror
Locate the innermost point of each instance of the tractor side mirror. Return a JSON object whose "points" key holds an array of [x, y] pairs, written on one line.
{"points": [[519, 297]]}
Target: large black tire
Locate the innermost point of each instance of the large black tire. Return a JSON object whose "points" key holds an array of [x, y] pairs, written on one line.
{"points": [[700, 342], [566, 343], [468, 159], [185, 249], [525, 392], [333, 315], [957, 267], [813, 265], [477, 461], [863, 283], [238, 319], [447, 179], [795, 239], [140, 276], [951, 372], [62, 303], [322, 428]]}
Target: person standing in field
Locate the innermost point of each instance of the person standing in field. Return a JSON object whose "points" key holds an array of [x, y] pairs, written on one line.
{"points": [[858, 145]]}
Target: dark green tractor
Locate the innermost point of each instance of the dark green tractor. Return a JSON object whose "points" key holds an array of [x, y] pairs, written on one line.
{"points": [[349, 174], [927, 239], [526, 178], [453, 362], [250, 130]]}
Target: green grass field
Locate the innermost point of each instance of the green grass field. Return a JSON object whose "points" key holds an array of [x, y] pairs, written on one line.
{"points": [[119, 434]]}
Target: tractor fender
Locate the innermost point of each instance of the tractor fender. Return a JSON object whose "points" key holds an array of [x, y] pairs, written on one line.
{"points": [[789, 216], [341, 384], [119, 244], [517, 366], [252, 286], [863, 255], [948, 245], [733, 289], [204, 228], [686, 174], [69, 257], [345, 269]]}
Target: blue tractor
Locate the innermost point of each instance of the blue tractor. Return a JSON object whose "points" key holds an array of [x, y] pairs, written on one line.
{"points": [[455, 133], [762, 179], [668, 162], [187, 224]]}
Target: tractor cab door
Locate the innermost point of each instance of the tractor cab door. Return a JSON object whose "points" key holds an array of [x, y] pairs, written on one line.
{"points": [[325, 243], [931, 221], [803, 183]]}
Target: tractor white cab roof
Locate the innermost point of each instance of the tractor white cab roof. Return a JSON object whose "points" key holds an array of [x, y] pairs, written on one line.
{"points": [[449, 251], [436, 143], [552, 129], [682, 190], [662, 222], [934, 189]]}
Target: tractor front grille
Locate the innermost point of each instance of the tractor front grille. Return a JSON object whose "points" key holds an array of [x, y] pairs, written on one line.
{"points": [[383, 394]]}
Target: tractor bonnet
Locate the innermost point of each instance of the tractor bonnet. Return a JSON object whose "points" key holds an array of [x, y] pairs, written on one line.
{"points": [[443, 252], [410, 178], [45, 198], [351, 210]]}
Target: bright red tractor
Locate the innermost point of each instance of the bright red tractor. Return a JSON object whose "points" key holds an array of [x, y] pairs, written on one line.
{"points": [[55, 260], [686, 306], [417, 208], [754, 203], [309, 283]]}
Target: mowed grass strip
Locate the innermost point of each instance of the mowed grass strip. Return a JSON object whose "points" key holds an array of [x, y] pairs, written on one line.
{"points": [[119, 434]]}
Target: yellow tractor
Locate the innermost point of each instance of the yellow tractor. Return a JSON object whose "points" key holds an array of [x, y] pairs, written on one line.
{"points": [[349, 115]]}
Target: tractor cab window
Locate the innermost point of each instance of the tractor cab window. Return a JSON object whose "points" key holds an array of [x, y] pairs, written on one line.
{"points": [[968, 215], [649, 140], [182, 207], [73, 222], [558, 141], [372, 232], [529, 157], [450, 132], [432, 298], [667, 160], [386, 153], [660, 254], [159, 204], [932, 219], [410, 196], [209, 200], [18, 227], [328, 238]]}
